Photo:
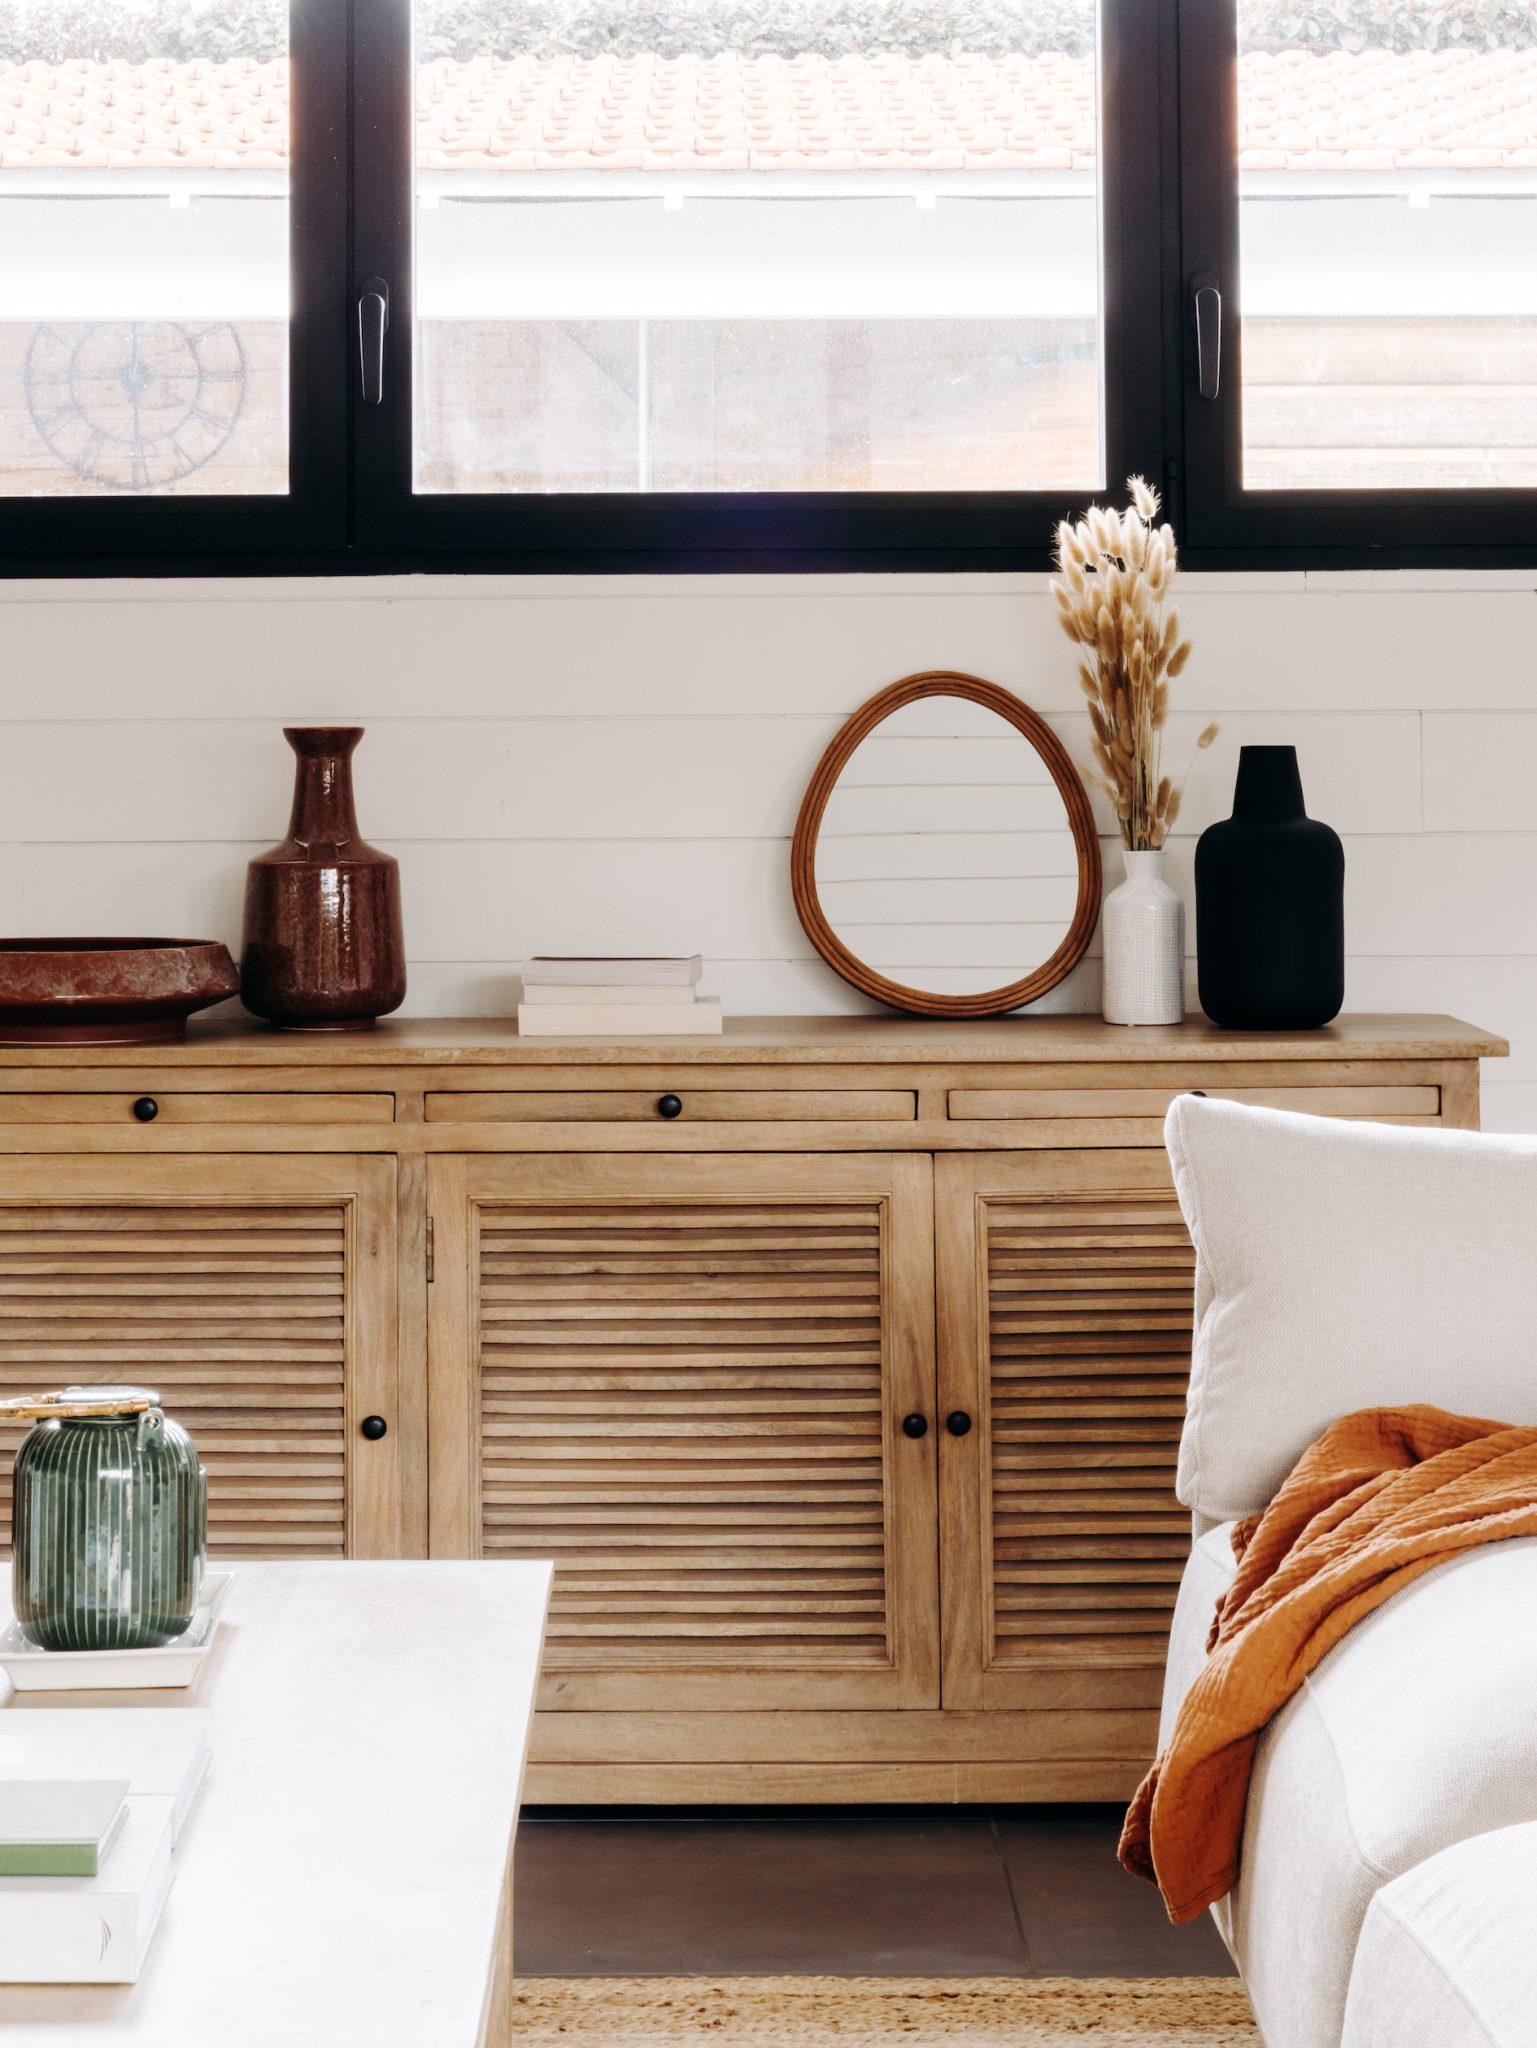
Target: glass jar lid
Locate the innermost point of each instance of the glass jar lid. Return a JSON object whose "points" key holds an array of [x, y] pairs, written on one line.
{"points": [[71, 1402]]}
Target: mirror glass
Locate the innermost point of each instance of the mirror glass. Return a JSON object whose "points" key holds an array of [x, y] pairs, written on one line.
{"points": [[946, 860]]}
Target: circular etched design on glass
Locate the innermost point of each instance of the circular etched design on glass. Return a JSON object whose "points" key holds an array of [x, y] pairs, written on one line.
{"points": [[135, 405], [945, 859]]}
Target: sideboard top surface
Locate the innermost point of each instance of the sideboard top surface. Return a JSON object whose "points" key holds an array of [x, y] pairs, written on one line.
{"points": [[240, 1041]]}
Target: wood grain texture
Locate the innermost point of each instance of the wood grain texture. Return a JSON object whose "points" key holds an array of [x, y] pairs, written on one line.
{"points": [[849, 1783], [257, 1299], [886, 1735], [469, 1042], [1066, 1306], [675, 1355], [687, 1387], [709, 1105], [181, 1106], [1360, 1099]]}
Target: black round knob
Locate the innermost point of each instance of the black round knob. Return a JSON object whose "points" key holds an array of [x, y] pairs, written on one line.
{"points": [[915, 1425], [373, 1427], [669, 1105], [1197, 1091], [958, 1422], [146, 1109]]}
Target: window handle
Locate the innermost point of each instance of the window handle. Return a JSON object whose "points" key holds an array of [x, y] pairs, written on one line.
{"points": [[373, 324], [1207, 293]]}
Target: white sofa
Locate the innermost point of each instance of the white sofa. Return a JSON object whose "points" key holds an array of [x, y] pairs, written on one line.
{"points": [[1388, 1891]]}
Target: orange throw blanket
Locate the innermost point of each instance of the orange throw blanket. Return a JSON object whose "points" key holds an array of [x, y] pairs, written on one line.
{"points": [[1381, 1497]]}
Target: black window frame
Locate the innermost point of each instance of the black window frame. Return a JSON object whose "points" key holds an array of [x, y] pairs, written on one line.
{"points": [[94, 533], [1169, 196], [734, 530], [1399, 527]]}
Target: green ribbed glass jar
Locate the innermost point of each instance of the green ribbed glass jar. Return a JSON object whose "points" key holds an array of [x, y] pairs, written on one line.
{"points": [[109, 1520]]}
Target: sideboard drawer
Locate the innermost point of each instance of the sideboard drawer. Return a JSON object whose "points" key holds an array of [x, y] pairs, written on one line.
{"points": [[694, 1104], [1422, 1101], [176, 1106]]}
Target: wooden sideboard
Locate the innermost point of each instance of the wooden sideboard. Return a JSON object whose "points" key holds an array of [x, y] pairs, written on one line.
{"points": [[839, 1364]]}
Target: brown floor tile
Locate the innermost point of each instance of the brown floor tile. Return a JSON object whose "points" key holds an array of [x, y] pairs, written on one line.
{"points": [[1082, 1915], [843, 1894]]}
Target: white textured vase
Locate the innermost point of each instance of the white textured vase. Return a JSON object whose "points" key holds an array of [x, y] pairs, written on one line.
{"points": [[1144, 937]]}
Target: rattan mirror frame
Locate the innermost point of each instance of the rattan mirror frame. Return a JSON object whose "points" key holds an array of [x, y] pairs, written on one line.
{"points": [[919, 1002]]}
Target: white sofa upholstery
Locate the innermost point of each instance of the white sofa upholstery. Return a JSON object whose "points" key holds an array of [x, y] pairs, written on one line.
{"points": [[1448, 1955], [1417, 1731], [1374, 1788]]}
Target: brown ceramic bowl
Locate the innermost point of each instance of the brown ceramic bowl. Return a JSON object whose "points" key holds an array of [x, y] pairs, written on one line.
{"points": [[108, 991]]}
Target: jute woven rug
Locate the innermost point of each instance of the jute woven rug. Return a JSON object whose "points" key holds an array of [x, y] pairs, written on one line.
{"points": [[882, 2012]]}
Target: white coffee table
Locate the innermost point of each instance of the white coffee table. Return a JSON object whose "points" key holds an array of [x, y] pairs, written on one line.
{"points": [[346, 1877]]}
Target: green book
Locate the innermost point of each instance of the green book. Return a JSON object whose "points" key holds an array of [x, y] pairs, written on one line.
{"points": [[58, 1827]]}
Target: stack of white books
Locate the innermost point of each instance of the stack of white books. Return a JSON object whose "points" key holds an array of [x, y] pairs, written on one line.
{"points": [[92, 1805], [616, 998]]}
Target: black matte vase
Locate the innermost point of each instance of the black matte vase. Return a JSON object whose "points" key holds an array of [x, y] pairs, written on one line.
{"points": [[1270, 905]]}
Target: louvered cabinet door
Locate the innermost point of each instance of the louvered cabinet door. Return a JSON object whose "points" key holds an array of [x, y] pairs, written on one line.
{"points": [[685, 1380], [256, 1294], [1065, 1309]]}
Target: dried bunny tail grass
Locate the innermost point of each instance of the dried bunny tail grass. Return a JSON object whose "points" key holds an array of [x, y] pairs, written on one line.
{"points": [[1115, 567], [1068, 549]]}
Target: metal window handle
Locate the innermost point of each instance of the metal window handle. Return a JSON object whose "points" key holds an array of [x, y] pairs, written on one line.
{"points": [[373, 325], [1207, 294]]}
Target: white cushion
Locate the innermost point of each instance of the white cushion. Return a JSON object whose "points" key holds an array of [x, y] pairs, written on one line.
{"points": [[1343, 1266], [1209, 1570], [1416, 1731], [1448, 1955]]}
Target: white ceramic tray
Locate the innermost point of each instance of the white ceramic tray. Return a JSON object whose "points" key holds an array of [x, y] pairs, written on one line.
{"points": [[33, 1670]]}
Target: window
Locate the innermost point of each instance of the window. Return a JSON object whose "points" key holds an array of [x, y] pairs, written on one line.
{"points": [[149, 171], [1388, 246], [734, 249], [146, 238], [755, 283], [864, 283], [1371, 257]]}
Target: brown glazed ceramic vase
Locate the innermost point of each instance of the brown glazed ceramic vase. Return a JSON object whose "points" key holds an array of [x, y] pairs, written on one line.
{"points": [[324, 949]]}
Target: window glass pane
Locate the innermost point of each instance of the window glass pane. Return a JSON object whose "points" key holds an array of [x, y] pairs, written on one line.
{"points": [[786, 245], [144, 167], [1388, 209]]}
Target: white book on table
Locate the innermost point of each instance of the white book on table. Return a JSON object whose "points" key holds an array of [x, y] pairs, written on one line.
{"points": [[91, 1930], [586, 970], [540, 993], [701, 1019], [162, 1752]]}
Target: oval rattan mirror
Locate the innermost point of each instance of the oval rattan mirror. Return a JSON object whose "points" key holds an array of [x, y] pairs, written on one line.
{"points": [[945, 860]]}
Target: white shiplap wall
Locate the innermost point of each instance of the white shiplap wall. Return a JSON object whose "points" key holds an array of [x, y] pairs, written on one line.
{"points": [[615, 764]]}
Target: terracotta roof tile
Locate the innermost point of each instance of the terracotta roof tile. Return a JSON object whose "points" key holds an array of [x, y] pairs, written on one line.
{"points": [[1459, 110]]}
